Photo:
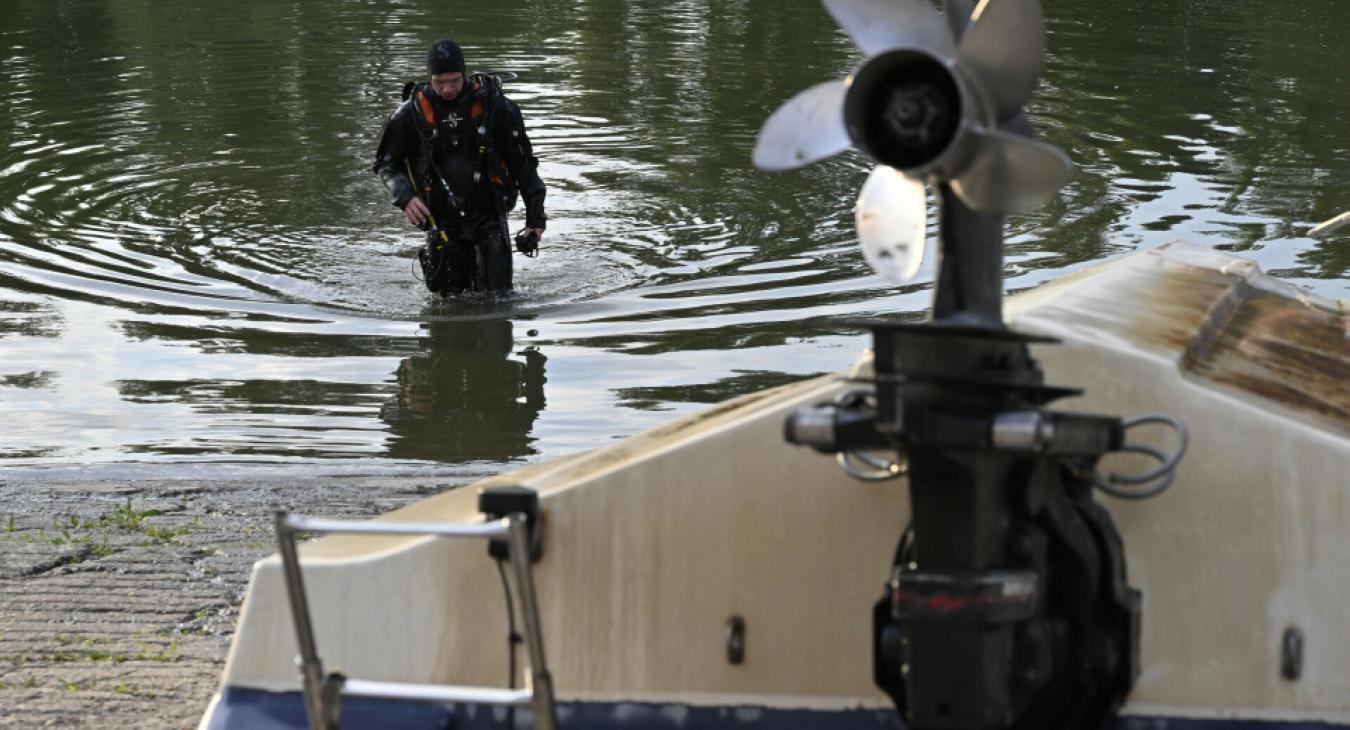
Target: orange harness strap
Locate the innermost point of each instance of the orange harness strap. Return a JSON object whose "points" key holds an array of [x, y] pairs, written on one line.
{"points": [[428, 113]]}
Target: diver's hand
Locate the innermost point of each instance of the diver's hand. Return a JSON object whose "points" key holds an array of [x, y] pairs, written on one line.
{"points": [[416, 212], [538, 232]]}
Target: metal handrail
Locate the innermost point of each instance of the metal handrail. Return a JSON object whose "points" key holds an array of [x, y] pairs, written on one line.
{"points": [[323, 692], [323, 526], [437, 693]]}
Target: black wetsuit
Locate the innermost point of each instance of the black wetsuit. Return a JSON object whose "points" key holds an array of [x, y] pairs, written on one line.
{"points": [[440, 143]]}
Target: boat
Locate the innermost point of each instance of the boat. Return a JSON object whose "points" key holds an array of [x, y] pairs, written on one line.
{"points": [[914, 541], [660, 550]]}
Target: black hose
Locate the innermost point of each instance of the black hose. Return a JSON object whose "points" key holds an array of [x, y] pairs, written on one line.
{"points": [[513, 639]]}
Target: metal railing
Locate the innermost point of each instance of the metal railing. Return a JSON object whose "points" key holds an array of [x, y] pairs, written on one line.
{"points": [[323, 693]]}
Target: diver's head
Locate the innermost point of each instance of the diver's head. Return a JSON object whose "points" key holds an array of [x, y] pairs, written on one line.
{"points": [[445, 66]]}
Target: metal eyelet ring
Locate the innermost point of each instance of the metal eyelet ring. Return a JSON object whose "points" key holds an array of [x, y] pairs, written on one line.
{"points": [[867, 468], [859, 464], [857, 397]]}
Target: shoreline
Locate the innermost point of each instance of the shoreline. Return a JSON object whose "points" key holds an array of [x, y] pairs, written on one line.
{"points": [[118, 599]]}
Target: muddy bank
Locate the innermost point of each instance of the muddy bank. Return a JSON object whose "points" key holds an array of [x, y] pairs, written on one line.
{"points": [[118, 599]]}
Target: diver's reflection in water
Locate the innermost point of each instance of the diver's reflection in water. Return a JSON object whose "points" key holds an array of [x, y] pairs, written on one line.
{"points": [[467, 397]]}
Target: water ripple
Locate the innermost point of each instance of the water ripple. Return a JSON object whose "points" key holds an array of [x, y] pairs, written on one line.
{"points": [[197, 267]]}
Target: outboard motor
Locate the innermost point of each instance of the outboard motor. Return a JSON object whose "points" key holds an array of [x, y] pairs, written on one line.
{"points": [[1007, 605]]}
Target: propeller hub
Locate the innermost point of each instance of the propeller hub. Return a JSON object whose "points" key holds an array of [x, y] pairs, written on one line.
{"points": [[904, 108], [916, 116]]}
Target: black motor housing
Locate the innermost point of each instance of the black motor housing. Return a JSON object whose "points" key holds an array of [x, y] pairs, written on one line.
{"points": [[1008, 605]]}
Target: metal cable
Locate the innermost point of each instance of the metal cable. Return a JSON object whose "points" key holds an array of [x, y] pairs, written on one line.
{"points": [[1157, 479], [512, 639]]}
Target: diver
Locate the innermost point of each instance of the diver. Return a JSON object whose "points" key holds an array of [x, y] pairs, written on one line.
{"points": [[455, 157]]}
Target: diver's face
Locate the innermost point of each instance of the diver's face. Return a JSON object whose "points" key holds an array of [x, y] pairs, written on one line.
{"points": [[447, 85]]}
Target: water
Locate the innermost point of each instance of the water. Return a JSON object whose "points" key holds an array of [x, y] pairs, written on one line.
{"points": [[199, 276]]}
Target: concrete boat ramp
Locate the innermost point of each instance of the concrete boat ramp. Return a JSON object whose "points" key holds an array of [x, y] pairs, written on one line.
{"points": [[118, 599]]}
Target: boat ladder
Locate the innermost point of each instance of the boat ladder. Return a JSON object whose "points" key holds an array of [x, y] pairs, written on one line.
{"points": [[323, 693]]}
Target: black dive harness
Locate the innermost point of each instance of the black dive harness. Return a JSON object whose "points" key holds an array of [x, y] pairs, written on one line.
{"points": [[485, 95]]}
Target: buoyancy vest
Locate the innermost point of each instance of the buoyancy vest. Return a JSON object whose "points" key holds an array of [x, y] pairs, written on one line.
{"points": [[488, 175]]}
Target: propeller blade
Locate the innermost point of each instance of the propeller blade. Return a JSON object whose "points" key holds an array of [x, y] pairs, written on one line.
{"points": [[892, 220], [880, 25], [1011, 173], [1003, 48], [809, 127], [958, 16]]}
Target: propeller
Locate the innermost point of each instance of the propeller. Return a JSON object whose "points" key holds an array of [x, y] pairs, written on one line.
{"points": [[931, 110]]}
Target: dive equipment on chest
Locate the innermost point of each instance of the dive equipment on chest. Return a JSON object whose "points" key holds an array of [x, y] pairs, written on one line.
{"points": [[461, 137]]}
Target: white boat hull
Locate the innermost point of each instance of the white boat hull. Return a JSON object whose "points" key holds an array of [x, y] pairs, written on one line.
{"points": [[653, 543]]}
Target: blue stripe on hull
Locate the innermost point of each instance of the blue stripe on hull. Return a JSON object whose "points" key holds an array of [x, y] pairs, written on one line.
{"points": [[249, 709], [1173, 723]]}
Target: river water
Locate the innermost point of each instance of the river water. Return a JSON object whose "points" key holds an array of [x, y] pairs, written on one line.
{"points": [[199, 276]]}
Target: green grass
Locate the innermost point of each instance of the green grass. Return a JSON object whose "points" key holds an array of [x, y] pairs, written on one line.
{"points": [[148, 653], [166, 654], [99, 649], [125, 517], [123, 688], [101, 549]]}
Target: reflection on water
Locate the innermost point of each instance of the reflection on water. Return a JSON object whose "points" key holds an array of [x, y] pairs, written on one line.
{"points": [[467, 396], [198, 274]]}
